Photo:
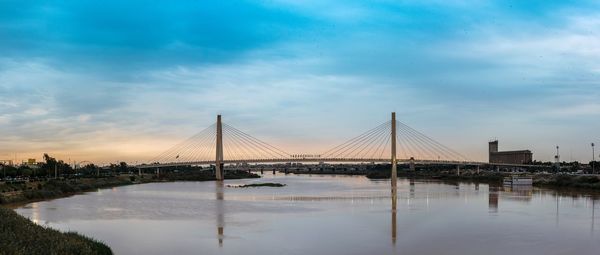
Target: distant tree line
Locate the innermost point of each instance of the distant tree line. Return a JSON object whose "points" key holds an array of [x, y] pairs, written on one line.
{"points": [[51, 165]]}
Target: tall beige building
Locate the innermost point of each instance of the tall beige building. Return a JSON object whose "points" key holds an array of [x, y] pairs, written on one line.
{"points": [[508, 157]]}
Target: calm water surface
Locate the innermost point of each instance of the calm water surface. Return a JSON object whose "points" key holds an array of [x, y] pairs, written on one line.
{"points": [[326, 215]]}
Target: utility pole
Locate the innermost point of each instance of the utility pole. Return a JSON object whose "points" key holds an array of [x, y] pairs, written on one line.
{"points": [[593, 160], [557, 158], [139, 169]]}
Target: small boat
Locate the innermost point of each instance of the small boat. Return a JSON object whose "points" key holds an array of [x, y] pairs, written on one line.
{"points": [[518, 180]]}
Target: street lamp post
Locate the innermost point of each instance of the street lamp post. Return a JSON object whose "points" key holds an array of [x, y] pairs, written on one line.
{"points": [[557, 159], [593, 160]]}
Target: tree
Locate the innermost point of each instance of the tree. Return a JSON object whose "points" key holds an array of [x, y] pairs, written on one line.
{"points": [[9, 171], [123, 167], [594, 166], [51, 164], [90, 169], [575, 166]]}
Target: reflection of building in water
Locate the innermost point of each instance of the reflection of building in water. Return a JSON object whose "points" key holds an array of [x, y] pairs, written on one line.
{"points": [[412, 188], [493, 198], [220, 212], [518, 193], [514, 193]]}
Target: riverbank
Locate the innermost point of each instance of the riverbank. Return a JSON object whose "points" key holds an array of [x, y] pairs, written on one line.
{"points": [[483, 177], [18, 193], [555, 181], [585, 182], [19, 235], [25, 192]]}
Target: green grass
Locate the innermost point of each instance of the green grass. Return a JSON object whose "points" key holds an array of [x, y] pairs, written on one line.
{"points": [[19, 235]]}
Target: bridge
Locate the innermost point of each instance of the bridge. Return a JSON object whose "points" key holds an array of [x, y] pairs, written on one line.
{"points": [[391, 141]]}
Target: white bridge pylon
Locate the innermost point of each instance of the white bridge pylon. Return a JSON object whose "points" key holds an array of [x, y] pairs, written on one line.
{"points": [[392, 141]]}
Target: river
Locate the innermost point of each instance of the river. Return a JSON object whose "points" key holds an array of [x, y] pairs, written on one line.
{"points": [[326, 215]]}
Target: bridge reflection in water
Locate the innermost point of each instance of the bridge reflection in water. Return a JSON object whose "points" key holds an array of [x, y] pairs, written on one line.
{"points": [[394, 214], [495, 194], [219, 186], [220, 210], [141, 219]]}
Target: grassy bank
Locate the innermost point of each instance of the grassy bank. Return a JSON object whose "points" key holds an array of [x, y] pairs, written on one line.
{"points": [[24, 192], [445, 173], [557, 181], [19, 235], [568, 181], [57, 188], [204, 176], [486, 177], [41, 190]]}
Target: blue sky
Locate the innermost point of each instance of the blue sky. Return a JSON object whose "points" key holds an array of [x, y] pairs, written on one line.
{"points": [[113, 80]]}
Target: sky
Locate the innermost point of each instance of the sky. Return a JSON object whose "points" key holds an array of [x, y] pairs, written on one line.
{"points": [[108, 81]]}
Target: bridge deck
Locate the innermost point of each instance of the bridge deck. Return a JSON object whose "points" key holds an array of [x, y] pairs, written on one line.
{"points": [[331, 160]]}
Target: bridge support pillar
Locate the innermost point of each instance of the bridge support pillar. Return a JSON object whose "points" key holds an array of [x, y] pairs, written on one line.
{"points": [[458, 170], [394, 176], [412, 164], [477, 169], [219, 172]]}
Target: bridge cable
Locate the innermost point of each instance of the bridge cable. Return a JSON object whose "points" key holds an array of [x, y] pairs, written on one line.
{"points": [[435, 143], [378, 143], [274, 151], [258, 142], [350, 143], [176, 147], [370, 141], [362, 142], [336, 148]]}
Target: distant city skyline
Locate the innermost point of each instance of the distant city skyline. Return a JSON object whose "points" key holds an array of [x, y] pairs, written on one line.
{"points": [[123, 81]]}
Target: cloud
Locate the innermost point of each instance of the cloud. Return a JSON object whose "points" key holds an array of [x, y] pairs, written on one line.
{"points": [[114, 35], [131, 78]]}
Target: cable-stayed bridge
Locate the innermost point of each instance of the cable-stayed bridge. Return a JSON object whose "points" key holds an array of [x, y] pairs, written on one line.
{"points": [[391, 141]]}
